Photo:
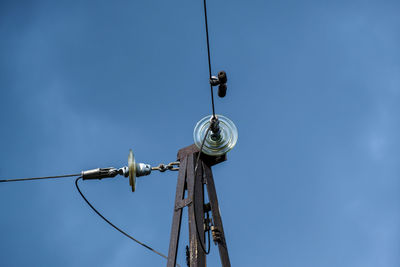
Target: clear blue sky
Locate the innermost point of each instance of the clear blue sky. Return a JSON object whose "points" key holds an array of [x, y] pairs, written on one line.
{"points": [[314, 90]]}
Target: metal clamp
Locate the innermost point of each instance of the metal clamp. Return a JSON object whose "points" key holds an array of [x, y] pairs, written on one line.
{"points": [[101, 173], [221, 81], [216, 234]]}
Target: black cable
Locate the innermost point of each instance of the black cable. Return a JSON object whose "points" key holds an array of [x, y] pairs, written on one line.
{"points": [[209, 238], [39, 178], [208, 232], [195, 219], [209, 57], [201, 148], [194, 199], [115, 227], [205, 136]]}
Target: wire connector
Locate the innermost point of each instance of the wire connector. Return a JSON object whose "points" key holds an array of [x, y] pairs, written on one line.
{"points": [[221, 81], [216, 234], [215, 129], [101, 173]]}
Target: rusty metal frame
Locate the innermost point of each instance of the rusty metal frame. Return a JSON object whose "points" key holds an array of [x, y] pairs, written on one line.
{"points": [[186, 179]]}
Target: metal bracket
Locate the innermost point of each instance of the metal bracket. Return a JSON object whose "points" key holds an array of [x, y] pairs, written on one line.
{"points": [[216, 234], [183, 203]]}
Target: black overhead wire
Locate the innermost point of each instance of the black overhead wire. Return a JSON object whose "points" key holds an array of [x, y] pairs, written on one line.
{"points": [[114, 226], [209, 58], [195, 169], [201, 148], [205, 136], [194, 191], [39, 178]]}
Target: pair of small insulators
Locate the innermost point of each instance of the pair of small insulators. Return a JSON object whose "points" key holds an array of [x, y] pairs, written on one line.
{"points": [[221, 81]]}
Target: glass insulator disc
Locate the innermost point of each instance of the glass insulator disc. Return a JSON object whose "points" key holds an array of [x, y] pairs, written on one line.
{"points": [[227, 140]]}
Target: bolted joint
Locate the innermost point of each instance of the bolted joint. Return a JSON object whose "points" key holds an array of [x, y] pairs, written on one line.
{"points": [[216, 234]]}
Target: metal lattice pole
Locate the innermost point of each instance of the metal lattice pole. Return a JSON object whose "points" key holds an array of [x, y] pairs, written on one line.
{"points": [[196, 208]]}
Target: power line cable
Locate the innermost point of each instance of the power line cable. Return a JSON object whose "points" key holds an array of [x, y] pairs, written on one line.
{"points": [[39, 178], [209, 56], [201, 148], [114, 226], [194, 191]]}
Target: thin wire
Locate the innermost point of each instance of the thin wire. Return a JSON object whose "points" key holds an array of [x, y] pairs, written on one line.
{"points": [[115, 227], [201, 148], [209, 57], [38, 178], [194, 191], [209, 238]]}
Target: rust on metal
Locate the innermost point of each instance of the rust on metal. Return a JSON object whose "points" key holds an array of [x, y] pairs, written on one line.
{"points": [[189, 181]]}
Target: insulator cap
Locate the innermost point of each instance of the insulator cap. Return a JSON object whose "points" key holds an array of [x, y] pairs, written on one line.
{"points": [[215, 145]]}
